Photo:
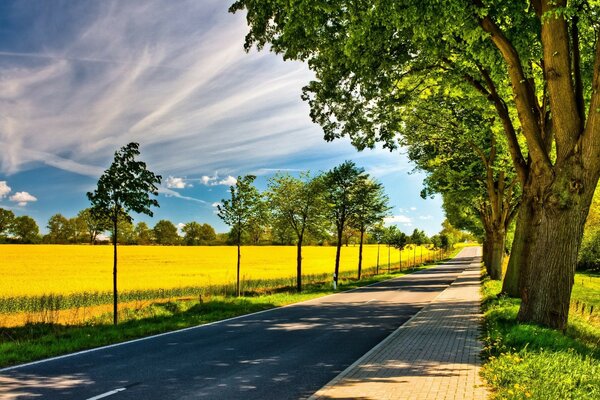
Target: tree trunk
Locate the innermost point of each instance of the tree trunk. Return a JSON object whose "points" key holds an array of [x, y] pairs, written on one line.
{"points": [[512, 278], [299, 265], [337, 258], [360, 253], [377, 272], [389, 251], [496, 254], [553, 243], [115, 293], [239, 256], [487, 251]]}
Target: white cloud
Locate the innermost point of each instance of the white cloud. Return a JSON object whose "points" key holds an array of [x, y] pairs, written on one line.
{"points": [[216, 204], [172, 193], [214, 180], [397, 219], [176, 183], [229, 181], [426, 217], [180, 227], [22, 198], [4, 189], [413, 209]]}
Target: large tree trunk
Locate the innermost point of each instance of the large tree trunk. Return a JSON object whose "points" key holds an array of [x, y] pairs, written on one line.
{"points": [[553, 243], [360, 253], [518, 252], [487, 251], [497, 254], [299, 265], [115, 293]]}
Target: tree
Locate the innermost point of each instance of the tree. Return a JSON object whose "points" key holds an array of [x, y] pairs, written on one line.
{"points": [[126, 232], [192, 232], [298, 205], [60, 229], [238, 211], [80, 229], [207, 234], [341, 182], [25, 229], [538, 66], [124, 187], [377, 232], [165, 233], [418, 238], [370, 206], [143, 234], [7, 218], [95, 224]]}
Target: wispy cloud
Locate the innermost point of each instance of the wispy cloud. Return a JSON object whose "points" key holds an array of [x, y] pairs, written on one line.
{"points": [[215, 180], [172, 193], [171, 75]]}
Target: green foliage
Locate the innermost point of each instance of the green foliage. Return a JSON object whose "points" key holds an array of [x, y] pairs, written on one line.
{"points": [[124, 187], [165, 233], [143, 234], [25, 229], [95, 224], [196, 234], [242, 207], [60, 229], [7, 218], [370, 204]]}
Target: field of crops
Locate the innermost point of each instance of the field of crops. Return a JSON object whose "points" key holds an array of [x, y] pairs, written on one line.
{"points": [[47, 278]]}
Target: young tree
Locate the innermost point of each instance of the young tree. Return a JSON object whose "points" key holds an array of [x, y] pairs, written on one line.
{"points": [[7, 218], [370, 206], [238, 211], [418, 238], [165, 233], [25, 229], [378, 234], [124, 187], [341, 182], [298, 204]]}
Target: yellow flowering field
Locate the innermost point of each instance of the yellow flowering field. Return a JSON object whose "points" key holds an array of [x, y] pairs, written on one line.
{"points": [[32, 270]]}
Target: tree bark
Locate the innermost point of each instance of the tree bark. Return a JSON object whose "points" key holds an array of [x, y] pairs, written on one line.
{"points": [[360, 253], [497, 254], [518, 252], [558, 217], [115, 293]]}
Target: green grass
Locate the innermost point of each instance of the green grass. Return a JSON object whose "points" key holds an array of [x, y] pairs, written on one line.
{"points": [[528, 361], [587, 289], [37, 341]]}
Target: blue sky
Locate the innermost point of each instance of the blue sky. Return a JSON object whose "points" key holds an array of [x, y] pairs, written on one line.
{"points": [[80, 79]]}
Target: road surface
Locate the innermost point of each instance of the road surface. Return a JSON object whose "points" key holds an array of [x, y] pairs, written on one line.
{"points": [[284, 353]]}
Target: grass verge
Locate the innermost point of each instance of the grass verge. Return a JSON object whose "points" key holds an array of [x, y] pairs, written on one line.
{"points": [[42, 340], [524, 361]]}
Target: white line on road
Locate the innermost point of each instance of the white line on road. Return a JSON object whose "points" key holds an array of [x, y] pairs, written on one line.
{"points": [[103, 395], [371, 300]]}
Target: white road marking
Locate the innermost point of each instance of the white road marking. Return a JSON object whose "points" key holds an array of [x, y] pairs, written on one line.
{"points": [[371, 300], [103, 395]]}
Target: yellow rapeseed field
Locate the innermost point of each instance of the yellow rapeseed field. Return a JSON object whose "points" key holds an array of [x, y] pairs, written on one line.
{"points": [[31, 270]]}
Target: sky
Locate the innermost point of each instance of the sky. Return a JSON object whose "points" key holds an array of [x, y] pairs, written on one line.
{"points": [[78, 80]]}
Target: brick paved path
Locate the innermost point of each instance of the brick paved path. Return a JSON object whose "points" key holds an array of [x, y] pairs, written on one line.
{"points": [[435, 355]]}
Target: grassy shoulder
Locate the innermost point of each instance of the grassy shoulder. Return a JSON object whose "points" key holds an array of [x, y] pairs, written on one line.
{"points": [[37, 341], [527, 361]]}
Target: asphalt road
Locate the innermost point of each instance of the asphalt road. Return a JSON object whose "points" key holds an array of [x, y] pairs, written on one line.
{"points": [[284, 353]]}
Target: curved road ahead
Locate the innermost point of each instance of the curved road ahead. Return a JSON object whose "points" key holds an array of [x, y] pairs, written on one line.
{"points": [[284, 353]]}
